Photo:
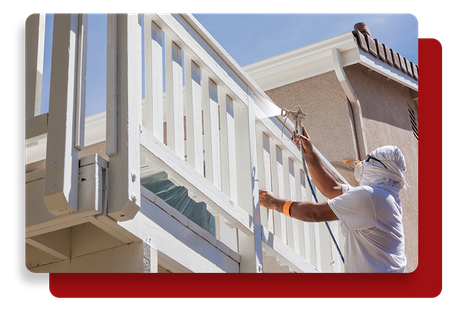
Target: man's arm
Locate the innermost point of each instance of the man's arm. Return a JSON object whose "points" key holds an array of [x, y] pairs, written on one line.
{"points": [[325, 182], [305, 211]]}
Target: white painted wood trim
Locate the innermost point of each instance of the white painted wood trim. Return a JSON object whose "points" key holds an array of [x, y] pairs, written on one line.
{"points": [[154, 117], [35, 38], [184, 174], [193, 108], [228, 63], [242, 131], [264, 169], [211, 130], [228, 157], [80, 91], [249, 247], [111, 144], [174, 93], [274, 186], [302, 63], [36, 127], [124, 168], [280, 223], [190, 224], [177, 241], [285, 253], [61, 175], [90, 188], [171, 24]]}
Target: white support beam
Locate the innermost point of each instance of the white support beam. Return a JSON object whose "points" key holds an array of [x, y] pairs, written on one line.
{"points": [[124, 167], [61, 174], [35, 38]]}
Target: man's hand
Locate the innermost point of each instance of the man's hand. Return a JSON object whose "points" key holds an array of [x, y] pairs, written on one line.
{"points": [[304, 138], [270, 201]]}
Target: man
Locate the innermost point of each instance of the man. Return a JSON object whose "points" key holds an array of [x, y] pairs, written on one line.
{"points": [[370, 215]]}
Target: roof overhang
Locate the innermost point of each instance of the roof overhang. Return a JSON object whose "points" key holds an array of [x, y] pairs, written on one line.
{"points": [[316, 59]]}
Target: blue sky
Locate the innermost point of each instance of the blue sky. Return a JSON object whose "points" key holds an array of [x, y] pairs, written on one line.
{"points": [[248, 38]]}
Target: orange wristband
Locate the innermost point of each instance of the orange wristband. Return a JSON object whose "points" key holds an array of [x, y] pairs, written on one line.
{"points": [[286, 208]]}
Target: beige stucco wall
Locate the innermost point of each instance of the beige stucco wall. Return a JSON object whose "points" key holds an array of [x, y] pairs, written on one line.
{"points": [[328, 114], [385, 119]]}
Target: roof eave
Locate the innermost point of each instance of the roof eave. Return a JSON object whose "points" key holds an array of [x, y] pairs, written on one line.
{"points": [[316, 59], [387, 70]]}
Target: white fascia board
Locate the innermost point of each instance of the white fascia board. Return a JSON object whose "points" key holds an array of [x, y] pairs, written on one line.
{"points": [[302, 63]]}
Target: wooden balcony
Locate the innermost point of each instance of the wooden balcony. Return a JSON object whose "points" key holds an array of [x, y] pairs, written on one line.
{"points": [[204, 129]]}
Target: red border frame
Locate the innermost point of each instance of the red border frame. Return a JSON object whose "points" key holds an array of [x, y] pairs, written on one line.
{"points": [[425, 281]]}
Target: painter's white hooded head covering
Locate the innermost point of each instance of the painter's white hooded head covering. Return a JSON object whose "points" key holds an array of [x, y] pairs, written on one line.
{"points": [[373, 173]]}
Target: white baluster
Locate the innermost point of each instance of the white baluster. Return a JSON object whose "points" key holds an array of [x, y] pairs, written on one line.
{"points": [[154, 97], [211, 130], [194, 128], [174, 93]]}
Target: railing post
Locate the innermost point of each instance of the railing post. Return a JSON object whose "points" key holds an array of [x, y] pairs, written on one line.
{"points": [[61, 175], [250, 247], [35, 38], [124, 35]]}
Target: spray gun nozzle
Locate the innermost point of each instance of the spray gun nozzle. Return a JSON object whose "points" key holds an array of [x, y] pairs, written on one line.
{"points": [[299, 114], [296, 116]]}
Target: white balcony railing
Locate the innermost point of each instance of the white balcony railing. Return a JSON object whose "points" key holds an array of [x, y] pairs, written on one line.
{"points": [[204, 124]]}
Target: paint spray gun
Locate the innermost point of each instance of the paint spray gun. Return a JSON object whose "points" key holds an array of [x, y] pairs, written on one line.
{"points": [[296, 117]]}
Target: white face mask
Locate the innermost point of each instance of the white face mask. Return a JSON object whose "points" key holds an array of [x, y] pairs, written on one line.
{"points": [[358, 172]]}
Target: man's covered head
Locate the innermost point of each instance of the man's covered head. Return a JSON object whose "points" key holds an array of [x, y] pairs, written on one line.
{"points": [[384, 166]]}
